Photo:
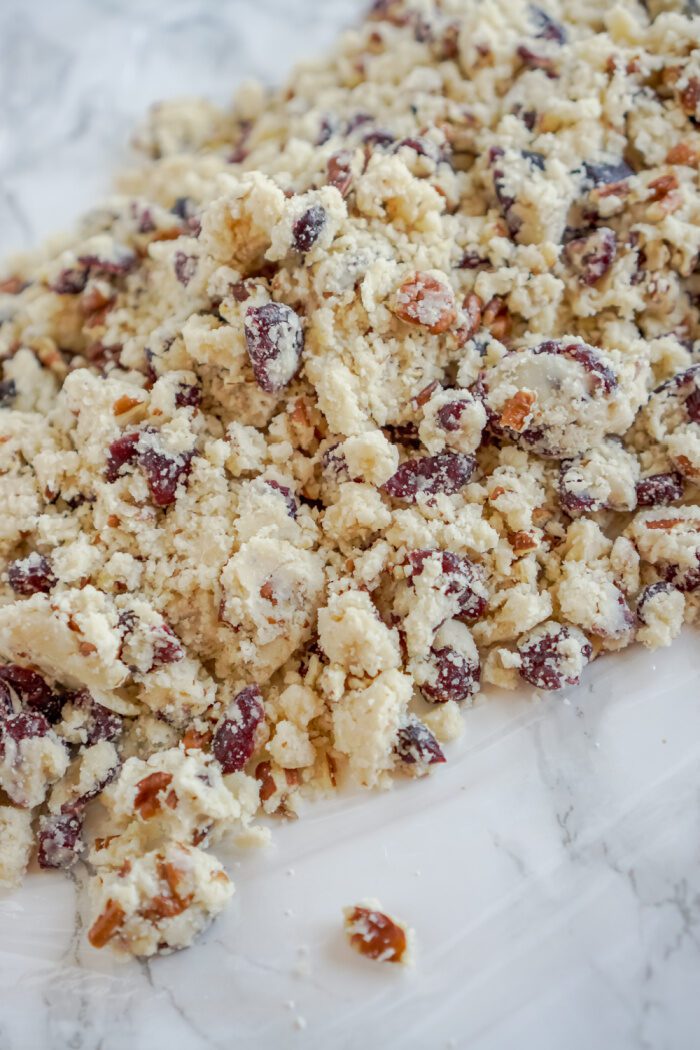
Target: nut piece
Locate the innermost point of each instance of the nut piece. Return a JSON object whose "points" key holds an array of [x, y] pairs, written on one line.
{"points": [[516, 410], [375, 934], [106, 924], [424, 300]]}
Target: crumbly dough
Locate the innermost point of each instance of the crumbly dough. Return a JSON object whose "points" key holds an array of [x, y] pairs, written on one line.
{"points": [[358, 399]]}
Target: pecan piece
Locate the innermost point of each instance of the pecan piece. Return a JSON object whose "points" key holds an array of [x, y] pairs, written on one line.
{"points": [[375, 935], [516, 410], [106, 924], [148, 794], [424, 300]]}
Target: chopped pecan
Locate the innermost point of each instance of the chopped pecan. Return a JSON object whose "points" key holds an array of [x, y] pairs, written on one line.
{"points": [[375, 935], [106, 924], [516, 410], [424, 300], [149, 791]]}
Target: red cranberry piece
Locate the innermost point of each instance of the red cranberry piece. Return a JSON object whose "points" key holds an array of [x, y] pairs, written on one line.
{"points": [[378, 137], [33, 691], [650, 592], [542, 657], [71, 281], [449, 416], [188, 396], [120, 262], [59, 839], [164, 473], [234, 739], [326, 129], [416, 745], [575, 502], [423, 147], [587, 356], [31, 575], [8, 392], [547, 27], [405, 434], [166, 646], [535, 159], [592, 254], [275, 341], [104, 724], [471, 260], [658, 490], [464, 580], [456, 678], [685, 580], [606, 174], [447, 472], [532, 60], [289, 497], [23, 726], [185, 267], [334, 465], [307, 229], [122, 452], [7, 707]]}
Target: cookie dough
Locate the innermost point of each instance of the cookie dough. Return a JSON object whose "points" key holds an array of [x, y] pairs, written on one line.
{"points": [[356, 400]]}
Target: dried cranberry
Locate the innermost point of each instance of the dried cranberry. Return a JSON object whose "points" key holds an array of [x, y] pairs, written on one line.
{"points": [[325, 131], [122, 261], [606, 174], [471, 260], [532, 60], [447, 472], [8, 392], [416, 745], [166, 646], [31, 575], [122, 451], [651, 592], [547, 27], [685, 580], [574, 502], [542, 657], [59, 839], [535, 159], [33, 691], [405, 434], [234, 740], [188, 396], [449, 416], [658, 490], [23, 726], [585, 355], [70, 281], [164, 474], [464, 580], [592, 254], [6, 705], [104, 724], [183, 208], [307, 229], [185, 267], [378, 137], [423, 147], [289, 497], [275, 341], [455, 677]]}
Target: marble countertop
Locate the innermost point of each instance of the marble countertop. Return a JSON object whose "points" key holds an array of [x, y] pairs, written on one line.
{"points": [[551, 870]]}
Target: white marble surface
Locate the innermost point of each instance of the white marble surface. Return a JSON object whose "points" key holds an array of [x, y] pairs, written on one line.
{"points": [[551, 870]]}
